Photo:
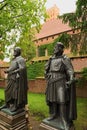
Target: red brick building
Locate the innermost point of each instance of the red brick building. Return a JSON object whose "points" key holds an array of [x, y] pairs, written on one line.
{"points": [[51, 29]]}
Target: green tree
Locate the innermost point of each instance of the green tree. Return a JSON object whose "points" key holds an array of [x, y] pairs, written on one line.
{"points": [[27, 45], [19, 16], [78, 22]]}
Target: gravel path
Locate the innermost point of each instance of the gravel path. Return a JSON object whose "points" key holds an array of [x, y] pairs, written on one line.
{"points": [[34, 124]]}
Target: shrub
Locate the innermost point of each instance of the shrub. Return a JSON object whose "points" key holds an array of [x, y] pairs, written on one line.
{"points": [[83, 79], [35, 70]]}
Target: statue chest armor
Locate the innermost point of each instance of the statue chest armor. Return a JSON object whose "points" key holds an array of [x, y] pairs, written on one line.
{"points": [[13, 65], [56, 65]]}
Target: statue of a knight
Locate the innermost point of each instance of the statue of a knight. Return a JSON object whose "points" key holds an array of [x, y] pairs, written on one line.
{"points": [[60, 91]]}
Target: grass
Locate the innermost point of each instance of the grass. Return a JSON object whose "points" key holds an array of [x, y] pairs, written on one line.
{"points": [[39, 109], [1, 94], [38, 105], [81, 122]]}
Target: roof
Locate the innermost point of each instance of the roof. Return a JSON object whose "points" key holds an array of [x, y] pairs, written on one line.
{"points": [[52, 27]]}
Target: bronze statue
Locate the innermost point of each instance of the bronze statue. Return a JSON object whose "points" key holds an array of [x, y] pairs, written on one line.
{"points": [[16, 90], [60, 91]]}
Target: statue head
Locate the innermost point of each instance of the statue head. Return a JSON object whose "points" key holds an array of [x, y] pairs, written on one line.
{"points": [[59, 48], [17, 51]]}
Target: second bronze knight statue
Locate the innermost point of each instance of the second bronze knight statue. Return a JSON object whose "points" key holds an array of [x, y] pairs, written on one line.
{"points": [[60, 90]]}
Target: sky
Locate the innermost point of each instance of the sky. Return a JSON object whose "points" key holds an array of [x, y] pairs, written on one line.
{"points": [[65, 6]]}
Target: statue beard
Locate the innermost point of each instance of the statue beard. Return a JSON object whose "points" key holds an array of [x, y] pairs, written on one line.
{"points": [[59, 53]]}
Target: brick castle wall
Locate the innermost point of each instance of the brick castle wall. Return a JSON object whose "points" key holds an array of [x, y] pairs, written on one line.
{"points": [[39, 85]]}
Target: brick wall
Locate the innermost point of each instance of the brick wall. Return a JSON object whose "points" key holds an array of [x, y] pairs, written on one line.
{"points": [[79, 63], [81, 91], [2, 74], [2, 83], [44, 41], [39, 86]]}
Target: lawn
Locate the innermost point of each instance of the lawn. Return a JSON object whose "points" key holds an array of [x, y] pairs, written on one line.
{"points": [[39, 109], [38, 105]]}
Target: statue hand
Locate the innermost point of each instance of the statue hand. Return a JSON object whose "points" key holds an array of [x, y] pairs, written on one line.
{"points": [[69, 82], [6, 71], [47, 76], [13, 72]]}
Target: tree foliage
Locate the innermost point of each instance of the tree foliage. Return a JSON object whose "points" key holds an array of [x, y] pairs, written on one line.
{"points": [[35, 70], [78, 22], [20, 16], [27, 45]]}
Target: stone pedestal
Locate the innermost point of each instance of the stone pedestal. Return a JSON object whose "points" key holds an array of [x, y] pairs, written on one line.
{"points": [[43, 126], [13, 120], [55, 124]]}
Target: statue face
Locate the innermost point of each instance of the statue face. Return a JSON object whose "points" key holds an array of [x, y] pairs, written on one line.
{"points": [[58, 50], [17, 52]]}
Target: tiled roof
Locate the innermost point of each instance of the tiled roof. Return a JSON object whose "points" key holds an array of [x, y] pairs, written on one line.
{"points": [[52, 27]]}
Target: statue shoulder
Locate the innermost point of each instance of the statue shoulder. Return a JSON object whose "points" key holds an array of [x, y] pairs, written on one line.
{"points": [[66, 60], [20, 58], [21, 61], [65, 57]]}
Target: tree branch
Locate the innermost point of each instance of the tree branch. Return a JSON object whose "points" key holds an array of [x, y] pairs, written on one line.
{"points": [[3, 6], [20, 15]]}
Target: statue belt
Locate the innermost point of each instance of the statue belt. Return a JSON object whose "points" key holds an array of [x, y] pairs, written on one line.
{"points": [[55, 80]]}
